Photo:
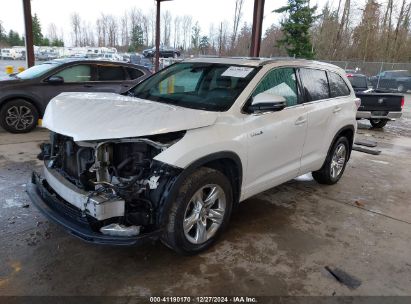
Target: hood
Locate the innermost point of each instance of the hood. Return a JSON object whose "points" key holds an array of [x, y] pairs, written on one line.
{"points": [[95, 116]]}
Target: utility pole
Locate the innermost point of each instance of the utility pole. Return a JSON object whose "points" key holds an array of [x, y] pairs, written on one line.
{"points": [[28, 26], [257, 28], [157, 57]]}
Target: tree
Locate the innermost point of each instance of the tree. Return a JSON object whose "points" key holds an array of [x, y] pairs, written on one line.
{"points": [[204, 45], [37, 34], [237, 18], [296, 26], [195, 36], [13, 39], [2, 33], [137, 38]]}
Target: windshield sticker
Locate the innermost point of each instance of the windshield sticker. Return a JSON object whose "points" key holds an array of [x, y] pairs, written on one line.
{"points": [[239, 72]]}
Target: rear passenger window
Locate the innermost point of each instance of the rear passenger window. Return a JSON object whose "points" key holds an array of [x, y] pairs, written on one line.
{"points": [[338, 87], [134, 73], [110, 73], [315, 84], [281, 82]]}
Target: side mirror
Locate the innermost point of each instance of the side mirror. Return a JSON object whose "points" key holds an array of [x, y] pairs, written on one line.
{"points": [[55, 80], [265, 102]]}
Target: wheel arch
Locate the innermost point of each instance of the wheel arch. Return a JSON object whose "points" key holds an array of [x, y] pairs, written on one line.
{"points": [[227, 162], [347, 131], [33, 101]]}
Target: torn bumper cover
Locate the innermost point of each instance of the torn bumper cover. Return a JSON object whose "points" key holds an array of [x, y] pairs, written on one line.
{"points": [[73, 219]]}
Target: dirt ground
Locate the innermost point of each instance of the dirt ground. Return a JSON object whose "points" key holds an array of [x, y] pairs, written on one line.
{"points": [[278, 242]]}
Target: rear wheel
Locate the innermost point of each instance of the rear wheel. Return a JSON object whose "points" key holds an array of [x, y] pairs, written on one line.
{"points": [[335, 163], [200, 212], [378, 123], [18, 116]]}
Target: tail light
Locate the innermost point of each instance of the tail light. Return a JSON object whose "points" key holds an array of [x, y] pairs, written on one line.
{"points": [[357, 102], [350, 75], [402, 102]]}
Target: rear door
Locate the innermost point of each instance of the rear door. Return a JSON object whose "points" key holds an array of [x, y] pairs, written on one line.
{"points": [[111, 78], [325, 105]]}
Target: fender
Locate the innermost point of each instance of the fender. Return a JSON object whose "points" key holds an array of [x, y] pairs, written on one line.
{"points": [[338, 134], [174, 183]]}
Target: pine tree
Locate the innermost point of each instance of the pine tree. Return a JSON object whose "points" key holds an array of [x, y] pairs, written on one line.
{"points": [[137, 38], [204, 44], [37, 35], [296, 28]]}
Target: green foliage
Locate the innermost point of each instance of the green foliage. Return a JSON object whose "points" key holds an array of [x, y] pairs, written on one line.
{"points": [[37, 35], [57, 42], [296, 28], [13, 39], [137, 38], [2, 32], [204, 44]]}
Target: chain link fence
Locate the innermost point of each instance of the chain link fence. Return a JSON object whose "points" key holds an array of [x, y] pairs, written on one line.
{"points": [[371, 68]]}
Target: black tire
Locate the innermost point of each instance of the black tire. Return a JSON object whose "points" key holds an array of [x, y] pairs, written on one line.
{"points": [[378, 123], [174, 235], [11, 112], [401, 88], [324, 175]]}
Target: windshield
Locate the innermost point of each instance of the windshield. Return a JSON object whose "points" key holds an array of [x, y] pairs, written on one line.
{"points": [[205, 86], [36, 71]]}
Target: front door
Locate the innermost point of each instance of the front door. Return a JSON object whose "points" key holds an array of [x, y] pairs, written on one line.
{"points": [[275, 139], [77, 78]]}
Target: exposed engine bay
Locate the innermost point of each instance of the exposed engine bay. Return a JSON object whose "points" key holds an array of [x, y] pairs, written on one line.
{"points": [[119, 178]]}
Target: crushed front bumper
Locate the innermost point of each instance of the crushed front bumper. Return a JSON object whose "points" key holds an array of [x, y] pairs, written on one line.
{"points": [[61, 212]]}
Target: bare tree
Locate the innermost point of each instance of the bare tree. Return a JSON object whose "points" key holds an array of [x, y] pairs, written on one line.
{"points": [[166, 20], [76, 24], [237, 18], [186, 25], [177, 31]]}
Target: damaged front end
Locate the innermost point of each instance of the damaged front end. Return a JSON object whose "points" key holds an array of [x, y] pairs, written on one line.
{"points": [[113, 188]]}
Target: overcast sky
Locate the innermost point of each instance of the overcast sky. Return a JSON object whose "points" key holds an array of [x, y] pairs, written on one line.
{"points": [[203, 11]]}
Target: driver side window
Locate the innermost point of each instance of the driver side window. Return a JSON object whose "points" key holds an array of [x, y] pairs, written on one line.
{"points": [[77, 73], [281, 82]]}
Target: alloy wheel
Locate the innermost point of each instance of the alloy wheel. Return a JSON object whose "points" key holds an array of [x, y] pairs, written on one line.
{"points": [[204, 214], [19, 117], [338, 160]]}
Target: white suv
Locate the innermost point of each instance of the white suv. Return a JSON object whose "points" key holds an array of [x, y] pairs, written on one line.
{"points": [[173, 157]]}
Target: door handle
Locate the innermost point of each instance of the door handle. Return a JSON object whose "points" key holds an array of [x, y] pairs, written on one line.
{"points": [[337, 109], [301, 120], [88, 86]]}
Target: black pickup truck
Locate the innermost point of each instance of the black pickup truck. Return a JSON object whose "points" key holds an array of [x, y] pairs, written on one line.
{"points": [[376, 106], [395, 80]]}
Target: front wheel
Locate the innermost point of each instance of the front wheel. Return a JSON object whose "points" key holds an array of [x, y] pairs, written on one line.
{"points": [[334, 165], [378, 123], [401, 88], [200, 212], [18, 116]]}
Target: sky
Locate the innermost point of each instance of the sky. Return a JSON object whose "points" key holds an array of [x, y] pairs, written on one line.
{"points": [[204, 11]]}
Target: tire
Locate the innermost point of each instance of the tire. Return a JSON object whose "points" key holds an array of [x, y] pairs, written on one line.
{"points": [[378, 123], [326, 175], [187, 209], [401, 88], [18, 116]]}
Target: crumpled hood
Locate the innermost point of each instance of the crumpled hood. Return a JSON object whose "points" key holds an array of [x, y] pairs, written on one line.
{"points": [[94, 116]]}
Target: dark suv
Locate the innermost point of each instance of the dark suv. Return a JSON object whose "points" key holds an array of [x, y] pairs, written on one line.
{"points": [[24, 96]]}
